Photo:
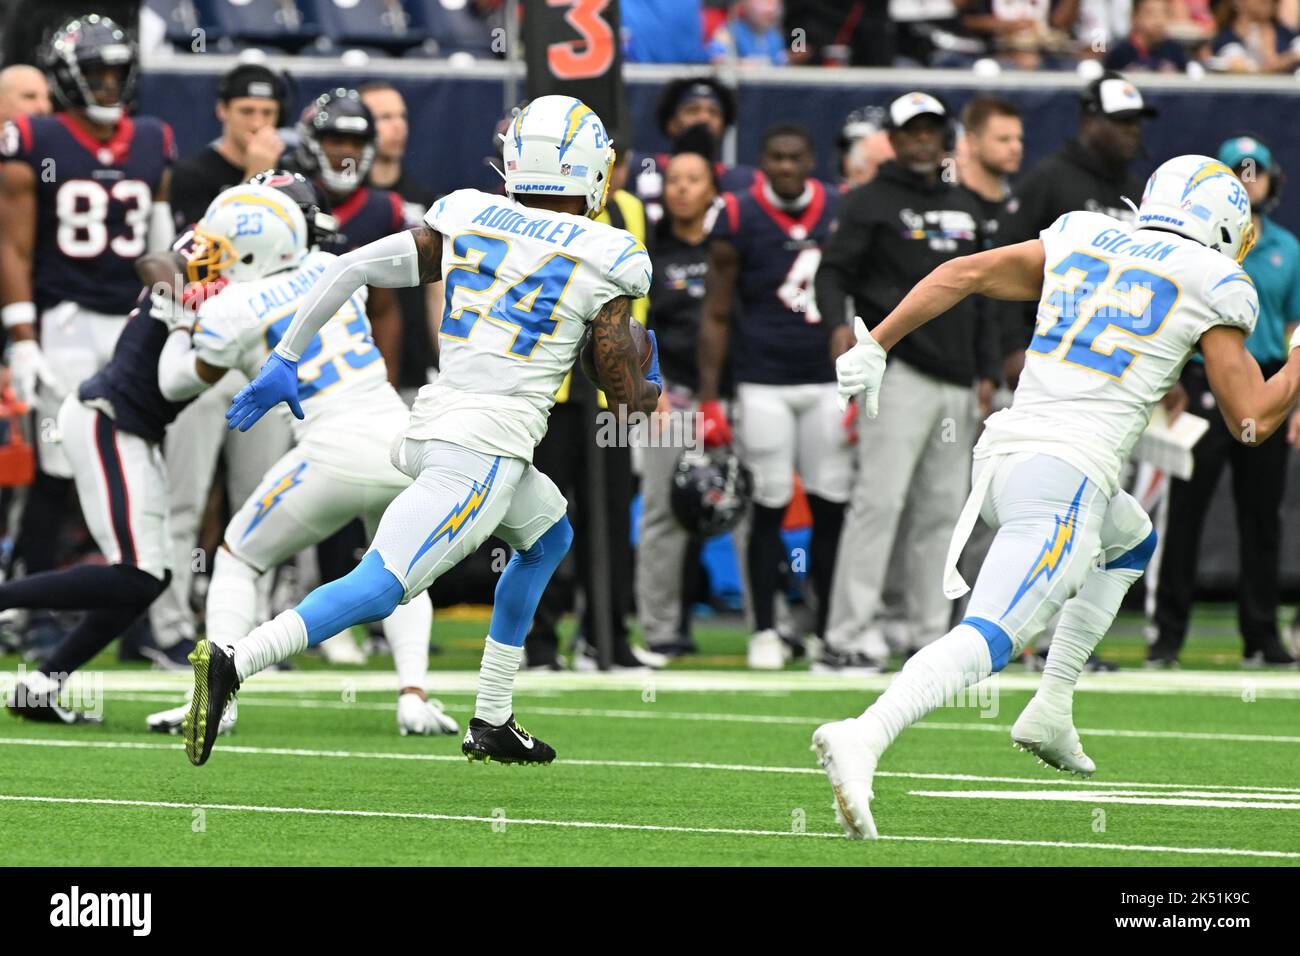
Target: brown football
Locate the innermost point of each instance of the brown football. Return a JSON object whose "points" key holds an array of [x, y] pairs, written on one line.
{"points": [[587, 358]]}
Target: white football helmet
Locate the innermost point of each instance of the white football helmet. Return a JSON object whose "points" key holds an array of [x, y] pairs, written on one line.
{"points": [[248, 232], [1202, 199], [556, 146]]}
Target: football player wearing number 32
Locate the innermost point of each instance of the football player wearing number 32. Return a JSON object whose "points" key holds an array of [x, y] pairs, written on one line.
{"points": [[524, 276], [1121, 310], [83, 195]]}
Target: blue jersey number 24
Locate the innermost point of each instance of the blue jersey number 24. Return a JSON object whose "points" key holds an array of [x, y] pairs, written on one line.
{"points": [[1134, 301], [528, 305]]}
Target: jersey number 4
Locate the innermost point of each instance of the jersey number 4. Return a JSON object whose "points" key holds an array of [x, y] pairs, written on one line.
{"points": [[528, 306], [82, 209], [1090, 301]]}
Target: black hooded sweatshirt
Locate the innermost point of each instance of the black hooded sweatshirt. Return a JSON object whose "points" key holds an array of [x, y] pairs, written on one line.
{"points": [[1070, 180], [892, 233]]}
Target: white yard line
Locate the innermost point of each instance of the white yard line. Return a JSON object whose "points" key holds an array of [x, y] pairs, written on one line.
{"points": [[224, 747], [637, 827], [1133, 681], [1174, 799], [652, 712]]}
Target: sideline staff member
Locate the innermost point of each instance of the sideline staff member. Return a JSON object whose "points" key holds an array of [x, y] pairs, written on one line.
{"points": [[892, 233]]}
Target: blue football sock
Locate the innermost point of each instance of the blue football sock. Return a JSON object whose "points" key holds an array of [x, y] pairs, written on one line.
{"points": [[524, 580], [368, 593]]}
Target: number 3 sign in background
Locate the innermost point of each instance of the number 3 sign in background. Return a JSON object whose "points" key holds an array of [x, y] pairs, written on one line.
{"points": [[590, 55], [572, 47]]}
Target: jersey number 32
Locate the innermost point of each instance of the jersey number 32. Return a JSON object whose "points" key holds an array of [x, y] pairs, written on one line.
{"points": [[1092, 300]]}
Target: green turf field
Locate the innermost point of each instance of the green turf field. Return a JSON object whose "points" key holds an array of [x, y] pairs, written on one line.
{"points": [[703, 764]]}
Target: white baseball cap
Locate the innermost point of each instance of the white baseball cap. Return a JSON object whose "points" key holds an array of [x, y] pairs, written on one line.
{"points": [[911, 105], [1115, 97]]}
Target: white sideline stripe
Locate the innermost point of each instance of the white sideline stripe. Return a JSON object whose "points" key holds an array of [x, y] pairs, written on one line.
{"points": [[640, 827], [1142, 734], [1090, 796], [631, 764], [1230, 683], [782, 719]]}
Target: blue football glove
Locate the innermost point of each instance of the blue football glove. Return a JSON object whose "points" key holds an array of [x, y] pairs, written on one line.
{"points": [[652, 374], [277, 382]]}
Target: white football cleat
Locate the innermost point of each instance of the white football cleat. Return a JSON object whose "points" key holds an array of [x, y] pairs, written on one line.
{"points": [[169, 721], [850, 766], [1051, 738], [415, 715], [767, 652]]}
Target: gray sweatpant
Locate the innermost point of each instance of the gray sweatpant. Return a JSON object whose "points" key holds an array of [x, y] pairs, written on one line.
{"points": [[662, 544], [915, 454]]}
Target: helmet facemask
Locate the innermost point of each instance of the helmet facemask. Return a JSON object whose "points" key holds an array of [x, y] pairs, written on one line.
{"points": [[593, 212], [210, 256], [1249, 236]]}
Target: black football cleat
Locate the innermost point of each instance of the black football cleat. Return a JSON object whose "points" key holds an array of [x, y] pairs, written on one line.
{"points": [[215, 685], [507, 743], [44, 707]]}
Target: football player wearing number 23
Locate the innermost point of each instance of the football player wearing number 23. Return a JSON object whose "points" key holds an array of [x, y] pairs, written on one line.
{"points": [[524, 277], [1122, 308]]}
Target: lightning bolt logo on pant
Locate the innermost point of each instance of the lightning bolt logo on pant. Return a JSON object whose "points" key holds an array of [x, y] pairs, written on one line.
{"points": [[1059, 544], [460, 515], [273, 497]]}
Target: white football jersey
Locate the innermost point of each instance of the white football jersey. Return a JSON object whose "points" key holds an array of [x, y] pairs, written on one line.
{"points": [[342, 380], [521, 285], [1122, 311]]}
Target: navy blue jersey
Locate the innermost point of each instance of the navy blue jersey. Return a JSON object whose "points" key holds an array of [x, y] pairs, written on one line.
{"points": [[126, 389], [779, 337], [368, 214], [93, 202]]}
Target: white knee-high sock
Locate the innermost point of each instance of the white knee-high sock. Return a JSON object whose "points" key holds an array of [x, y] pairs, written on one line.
{"points": [[496, 681], [932, 676], [407, 630], [1084, 621], [232, 599], [277, 640]]}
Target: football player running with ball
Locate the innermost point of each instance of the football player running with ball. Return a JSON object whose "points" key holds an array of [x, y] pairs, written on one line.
{"points": [[1121, 310], [525, 275]]}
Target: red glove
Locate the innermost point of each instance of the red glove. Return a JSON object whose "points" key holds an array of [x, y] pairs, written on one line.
{"points": [[195, 293], [850, 423], [716, 430]]}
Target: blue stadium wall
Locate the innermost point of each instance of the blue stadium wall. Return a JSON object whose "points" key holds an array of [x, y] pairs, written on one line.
{"points": [[453, 113]]}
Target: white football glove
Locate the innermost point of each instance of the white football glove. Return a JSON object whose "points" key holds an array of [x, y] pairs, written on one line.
{"points": [[415, 715], [27, 366], [861, 369], [1295, 340], [169, 312]]}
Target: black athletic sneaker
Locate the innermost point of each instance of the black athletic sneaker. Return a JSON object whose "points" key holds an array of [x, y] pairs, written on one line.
{"points": [[174, 658], [1272, 654], [1097, 665], [1163, 654], [508, 743], [834, 661], [44, 707], [215, 684]]}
